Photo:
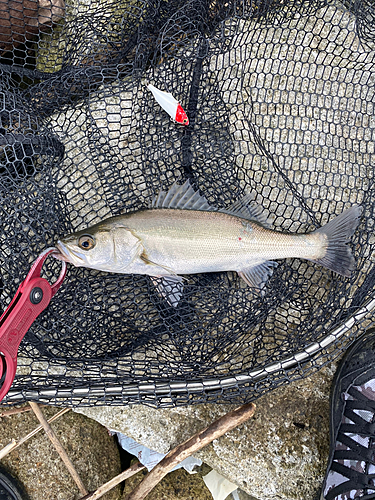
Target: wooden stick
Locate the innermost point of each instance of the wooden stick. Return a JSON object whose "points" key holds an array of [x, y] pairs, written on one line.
{"points": [[59, 448], [114, 482], [8, 448], [195, 443], [15, 444], [14, 411]]}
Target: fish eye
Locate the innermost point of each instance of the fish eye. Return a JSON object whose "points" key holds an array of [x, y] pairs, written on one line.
{"points": [[86, 242], [184, 120]]}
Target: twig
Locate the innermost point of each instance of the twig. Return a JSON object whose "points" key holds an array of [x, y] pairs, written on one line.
{"points": [[59, 448], [14, 411], [114, 482], [195, 443], [8, 448], [15, 444]]}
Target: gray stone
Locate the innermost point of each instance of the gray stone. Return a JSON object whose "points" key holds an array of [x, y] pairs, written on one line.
{"points": [[242, 495], [38, 467], [61, 42], [281, 453]]}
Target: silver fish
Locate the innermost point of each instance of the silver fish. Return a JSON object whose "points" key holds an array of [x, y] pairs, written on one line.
{"points": [[182, 234]]}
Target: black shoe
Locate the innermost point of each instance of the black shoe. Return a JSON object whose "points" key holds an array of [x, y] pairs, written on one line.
{"points": [[10, 489], [351, 465]]}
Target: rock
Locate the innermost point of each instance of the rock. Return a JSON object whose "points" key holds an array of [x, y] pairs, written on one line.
{"points": [[280, 453], [66, 42], [38, 467], [242, 495], [177, 485]]}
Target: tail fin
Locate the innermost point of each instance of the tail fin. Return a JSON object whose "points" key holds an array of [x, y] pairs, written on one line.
{"points": [[339, 257]]}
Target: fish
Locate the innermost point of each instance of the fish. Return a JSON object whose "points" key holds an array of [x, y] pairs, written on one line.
{"points": [[181, 233], [170, 105]]}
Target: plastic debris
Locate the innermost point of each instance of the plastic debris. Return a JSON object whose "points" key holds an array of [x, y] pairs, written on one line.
{"points": [[219, 487], [150, 458]]}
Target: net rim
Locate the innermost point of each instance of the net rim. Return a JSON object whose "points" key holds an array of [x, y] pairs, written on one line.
{"points": [[160, 389]]}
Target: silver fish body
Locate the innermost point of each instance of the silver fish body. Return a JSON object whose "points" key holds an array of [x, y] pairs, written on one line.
{"points": [[181, 234], [192, 241]]}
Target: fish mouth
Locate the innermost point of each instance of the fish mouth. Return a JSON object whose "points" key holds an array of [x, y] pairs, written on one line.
{"points": [[60, 252], [68, 255]]}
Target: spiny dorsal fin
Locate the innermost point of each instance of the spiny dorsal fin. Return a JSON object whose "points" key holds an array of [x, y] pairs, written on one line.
{"points": [[181, 196]]}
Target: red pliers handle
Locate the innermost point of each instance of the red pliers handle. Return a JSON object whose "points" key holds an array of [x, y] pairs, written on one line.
{"points": [[32, 297]]}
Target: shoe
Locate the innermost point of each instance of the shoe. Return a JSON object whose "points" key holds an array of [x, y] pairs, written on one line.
{"points": [[10, 489], [351, 464]]}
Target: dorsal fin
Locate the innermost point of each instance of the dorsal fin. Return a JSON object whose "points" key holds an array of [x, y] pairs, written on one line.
{"points": [[246, 208], [181, 196]]}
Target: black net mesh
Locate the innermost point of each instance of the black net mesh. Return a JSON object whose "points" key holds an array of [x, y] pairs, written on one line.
{"points": [[280, 98]]}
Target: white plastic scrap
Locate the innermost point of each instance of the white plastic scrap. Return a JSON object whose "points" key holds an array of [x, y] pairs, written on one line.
{"points": [[219, 487], [149, 458]]}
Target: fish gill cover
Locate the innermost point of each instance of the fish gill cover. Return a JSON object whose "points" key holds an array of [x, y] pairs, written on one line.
{"points": [[280, 102]]}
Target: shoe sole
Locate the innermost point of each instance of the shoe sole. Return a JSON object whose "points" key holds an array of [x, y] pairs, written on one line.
{"points": [[339, 388]]}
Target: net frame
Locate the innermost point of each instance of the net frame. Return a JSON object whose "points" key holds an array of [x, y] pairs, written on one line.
{"points": [[219, 389]]}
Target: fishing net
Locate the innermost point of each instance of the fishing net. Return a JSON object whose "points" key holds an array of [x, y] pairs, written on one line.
{"points": [[280, 99]]}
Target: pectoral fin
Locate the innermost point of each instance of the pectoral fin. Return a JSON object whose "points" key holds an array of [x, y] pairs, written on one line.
{"points": [[170, 288], [257, 276], [158, 268]]}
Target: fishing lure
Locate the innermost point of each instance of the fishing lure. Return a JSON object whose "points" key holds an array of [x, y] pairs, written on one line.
{"points": [[170, 105]]}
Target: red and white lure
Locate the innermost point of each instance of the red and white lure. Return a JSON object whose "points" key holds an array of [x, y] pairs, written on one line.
{"points": [[170, 105]]}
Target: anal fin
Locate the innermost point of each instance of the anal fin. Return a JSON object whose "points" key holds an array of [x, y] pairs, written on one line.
{"points": [[257, 276], [169, 288]]}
